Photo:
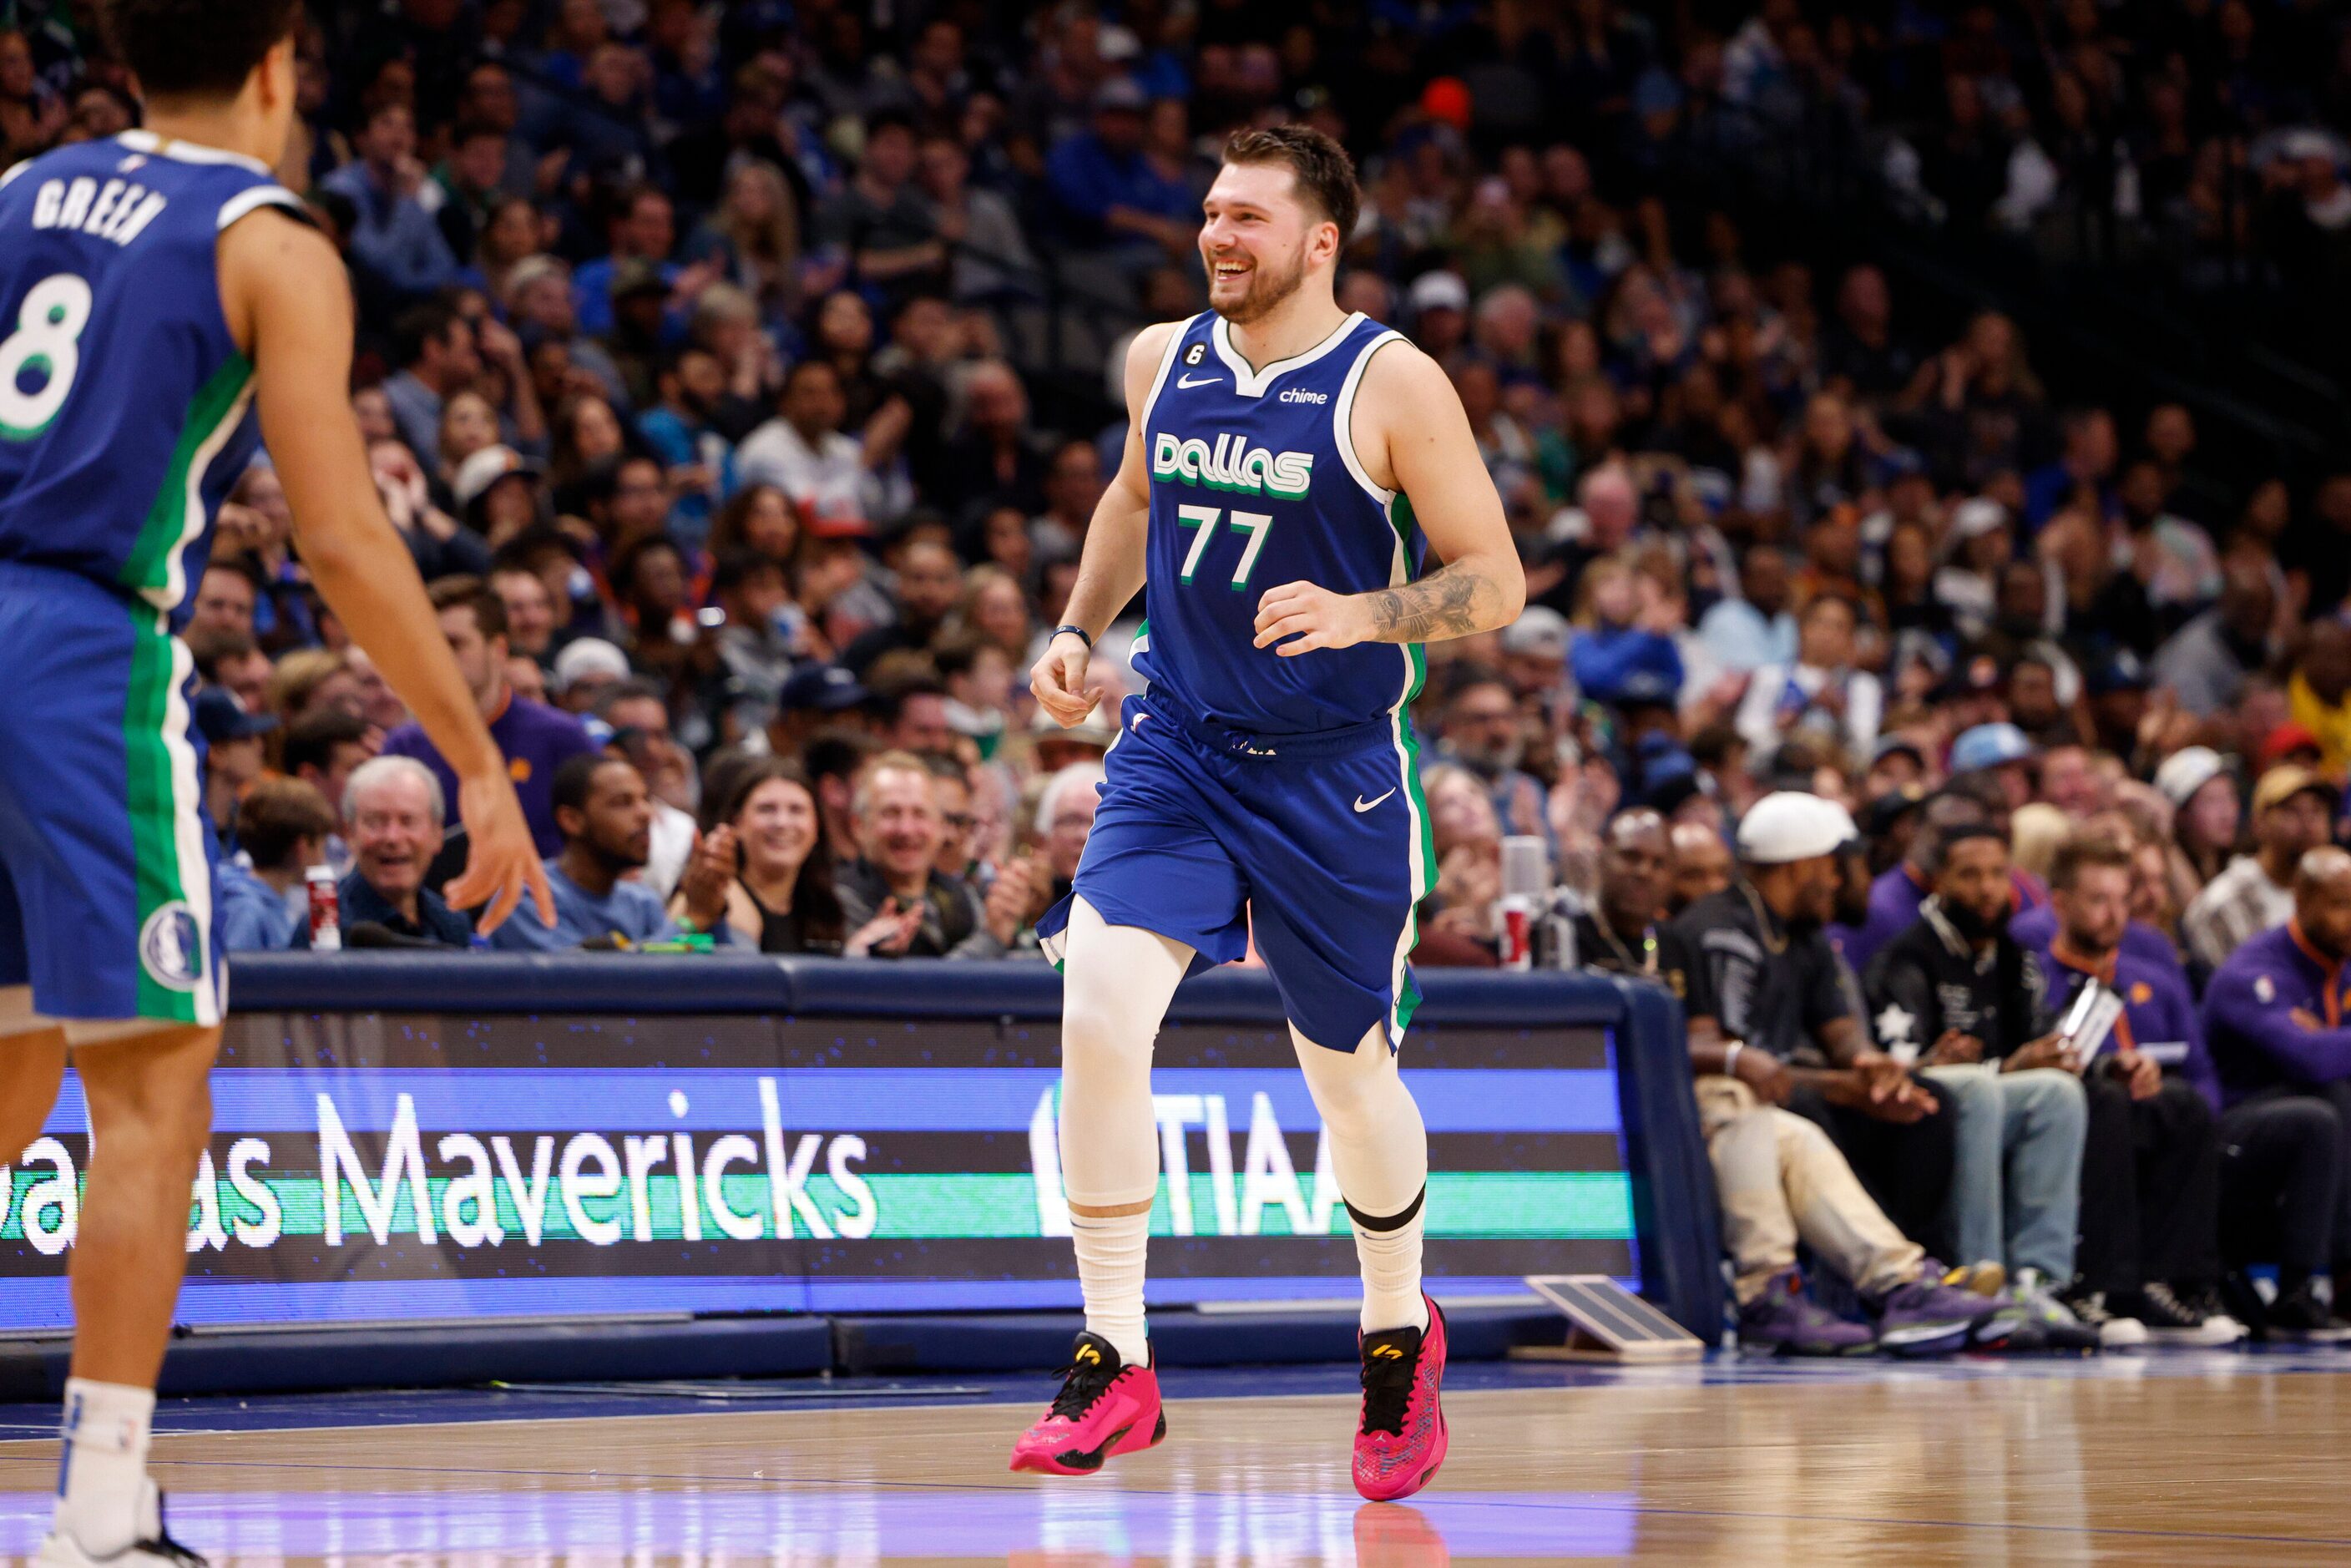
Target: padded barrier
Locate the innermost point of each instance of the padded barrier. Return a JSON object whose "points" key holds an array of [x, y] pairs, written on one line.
{"points": [[1673, 1184]]}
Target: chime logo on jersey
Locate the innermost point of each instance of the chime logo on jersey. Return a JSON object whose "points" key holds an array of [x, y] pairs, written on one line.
{"points": [[1232, 463]]}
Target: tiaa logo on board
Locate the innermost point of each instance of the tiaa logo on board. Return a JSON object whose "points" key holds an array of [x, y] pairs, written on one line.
{"points": [[170, 947], [1232, 463]]}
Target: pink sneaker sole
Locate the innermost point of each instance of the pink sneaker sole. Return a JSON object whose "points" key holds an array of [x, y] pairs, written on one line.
{"points": [[1077, 1462]]}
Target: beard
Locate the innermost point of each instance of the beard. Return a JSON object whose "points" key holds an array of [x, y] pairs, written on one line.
{"points": [[1971, 923], [1269, 286], [1490, 762]]}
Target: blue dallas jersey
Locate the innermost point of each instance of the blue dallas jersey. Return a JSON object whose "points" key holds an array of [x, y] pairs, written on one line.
{"points": [[124, 405], [1255, 483]]}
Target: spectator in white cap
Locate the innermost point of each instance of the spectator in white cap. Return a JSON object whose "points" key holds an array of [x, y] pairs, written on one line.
{"points": [[1978, 544], [2206, 814], [1764, 974], [1440, 313], [1534, 652], [584, 668], [497, 492]]}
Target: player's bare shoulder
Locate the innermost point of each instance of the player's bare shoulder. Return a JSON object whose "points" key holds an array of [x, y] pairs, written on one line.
{"points": [[270, 259], [1403, 394], [1145, 356]]}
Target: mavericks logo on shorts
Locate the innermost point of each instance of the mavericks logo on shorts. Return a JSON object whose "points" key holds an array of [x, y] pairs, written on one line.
{"points": [[171, 948], [1231, 465]]}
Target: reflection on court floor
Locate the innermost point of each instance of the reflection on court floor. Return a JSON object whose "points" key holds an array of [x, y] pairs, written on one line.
{"points": [[800, 1530], [2157, 1459]]}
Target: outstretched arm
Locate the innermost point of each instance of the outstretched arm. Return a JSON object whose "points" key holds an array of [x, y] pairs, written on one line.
{"points": [[288, 305], [1415, 439]]}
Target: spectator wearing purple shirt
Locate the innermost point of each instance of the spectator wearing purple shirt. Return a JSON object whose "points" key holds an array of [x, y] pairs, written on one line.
{"points": [[2151, 1167], [2273, 1020], [2146, 947], [534, 739]]}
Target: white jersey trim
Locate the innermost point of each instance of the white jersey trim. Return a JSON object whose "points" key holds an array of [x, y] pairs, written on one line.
{"points": [[146, 141], [1247, 383], [1166, 363], [1342, 419], [246, 203], [12, 171], [210, 993]]}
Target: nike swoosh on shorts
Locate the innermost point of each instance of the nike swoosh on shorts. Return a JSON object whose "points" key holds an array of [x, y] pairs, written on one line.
{"points": [[1364, 805]]}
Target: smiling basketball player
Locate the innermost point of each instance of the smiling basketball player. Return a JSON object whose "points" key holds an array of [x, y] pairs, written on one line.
{"points": [[1288, 469]]}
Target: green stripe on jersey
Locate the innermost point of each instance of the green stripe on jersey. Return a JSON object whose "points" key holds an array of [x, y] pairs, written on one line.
{"points": [[168, 529], [154, 804]]}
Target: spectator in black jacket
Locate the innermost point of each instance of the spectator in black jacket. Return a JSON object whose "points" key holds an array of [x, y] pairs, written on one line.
{"points": [[1957, 993]]}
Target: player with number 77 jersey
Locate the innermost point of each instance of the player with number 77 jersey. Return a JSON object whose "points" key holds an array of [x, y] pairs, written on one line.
{"points": [[1289, 469]]}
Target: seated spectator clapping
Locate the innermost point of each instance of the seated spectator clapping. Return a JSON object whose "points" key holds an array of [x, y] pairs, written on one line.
{"points": [[893, 900]]}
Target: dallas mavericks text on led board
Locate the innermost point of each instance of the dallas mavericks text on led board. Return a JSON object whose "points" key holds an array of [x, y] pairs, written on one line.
{"points": [[417, 1165]]}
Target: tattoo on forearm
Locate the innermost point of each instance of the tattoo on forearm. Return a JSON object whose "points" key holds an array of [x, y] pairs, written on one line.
{"points": [[1452, 601]]}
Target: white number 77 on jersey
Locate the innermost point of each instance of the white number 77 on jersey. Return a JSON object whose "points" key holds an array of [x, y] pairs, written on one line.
{"points": [[1205, 519]]}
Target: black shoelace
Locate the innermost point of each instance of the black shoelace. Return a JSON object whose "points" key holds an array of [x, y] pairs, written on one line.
{"points": [[1388, 1388], [1083, 1382], [162, 1545]]}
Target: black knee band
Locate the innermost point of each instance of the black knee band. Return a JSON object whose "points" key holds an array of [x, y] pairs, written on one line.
{"points": [[1392, 1222]]}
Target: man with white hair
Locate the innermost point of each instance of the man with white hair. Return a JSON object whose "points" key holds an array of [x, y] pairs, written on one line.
{"points": [[393, 813], [1065, 816], [1603, 521]]}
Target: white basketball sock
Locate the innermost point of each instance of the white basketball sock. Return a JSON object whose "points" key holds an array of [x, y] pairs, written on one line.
{"points": [[1388, 1252], [102, 1480], [1117, 981], [1379, 1150], [1110, 1274]]}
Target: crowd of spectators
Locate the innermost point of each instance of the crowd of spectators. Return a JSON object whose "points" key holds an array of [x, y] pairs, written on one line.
{"points": [[708, 372]]}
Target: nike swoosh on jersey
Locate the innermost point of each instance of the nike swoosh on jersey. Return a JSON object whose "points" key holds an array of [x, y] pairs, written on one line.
{"points": [[1182, 381], [1364, 805]]}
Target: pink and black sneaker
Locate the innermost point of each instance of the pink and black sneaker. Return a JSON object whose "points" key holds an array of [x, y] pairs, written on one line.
{"points": [[1105, 1408], [1401, 1442]]}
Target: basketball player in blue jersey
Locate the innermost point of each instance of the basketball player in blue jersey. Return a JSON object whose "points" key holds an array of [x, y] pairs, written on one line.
{"points": [[158, 291], [1288, 469]]}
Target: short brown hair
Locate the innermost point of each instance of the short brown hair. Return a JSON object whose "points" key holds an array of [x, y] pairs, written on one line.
{"points": [[470, 593], [2083, 849], [276, 815], [1325, 174]]}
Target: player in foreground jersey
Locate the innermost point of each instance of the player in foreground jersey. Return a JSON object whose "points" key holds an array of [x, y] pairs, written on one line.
{"points": [[155, 291], [1288, 467]]}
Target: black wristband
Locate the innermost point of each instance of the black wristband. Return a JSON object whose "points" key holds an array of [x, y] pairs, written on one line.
{"points": [[1077, 631]]}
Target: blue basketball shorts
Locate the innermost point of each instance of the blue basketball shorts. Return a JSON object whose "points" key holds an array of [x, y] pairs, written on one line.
{"points": [[1322, 842], [106, 859]]}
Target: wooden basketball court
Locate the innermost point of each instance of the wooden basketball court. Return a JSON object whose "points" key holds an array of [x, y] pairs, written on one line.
{"points": [[2167, 1458]]}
